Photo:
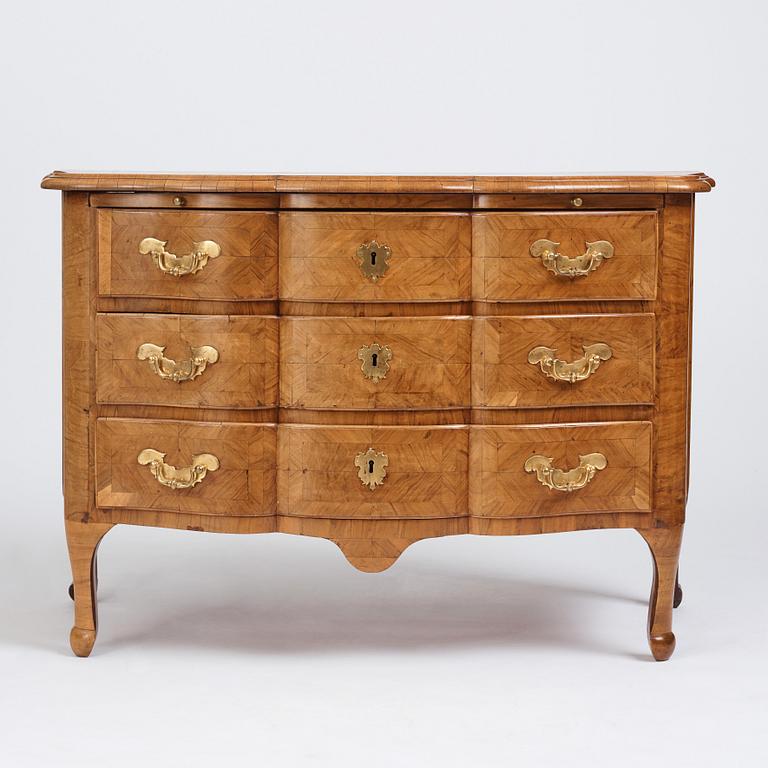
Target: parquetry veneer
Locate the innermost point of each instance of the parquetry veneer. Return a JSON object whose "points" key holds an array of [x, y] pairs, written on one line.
{"points": [[377, 360]]}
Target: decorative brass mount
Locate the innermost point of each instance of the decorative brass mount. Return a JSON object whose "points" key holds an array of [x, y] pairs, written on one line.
{"points": [[374, 259], [170, 370], [579, 266], [372, 467], [177, 478], [375, 361], [566, 480], [178, 266], [578, 370]]}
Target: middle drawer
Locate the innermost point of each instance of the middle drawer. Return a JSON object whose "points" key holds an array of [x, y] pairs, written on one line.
{"points": [[202, 361], [361, 363]]}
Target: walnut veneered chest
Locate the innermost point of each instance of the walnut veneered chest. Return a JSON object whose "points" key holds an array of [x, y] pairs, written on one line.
{"points": [[377, 360]]}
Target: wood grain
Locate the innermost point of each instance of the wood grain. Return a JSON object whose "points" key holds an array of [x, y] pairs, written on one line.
{"points": [[664, 544], [456, 308], [500, 486], [153, 304], [423, 417], [503, 377], [430, 256], [504, 270], [673, 351], [373, 545], [245, 375], [374, 309], [371, 201], [82, 541], [632, 183], [245, 270], [569, 202], [219, 200], [78, 363], [320, 368], [426, 476], [244, 484]]}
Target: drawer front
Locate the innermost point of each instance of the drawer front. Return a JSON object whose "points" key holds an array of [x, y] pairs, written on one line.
{"points": [[513, 262], [187, 360], [387, 363], [206, 254], [217, 469], [526, 471], [375, 256], [565, 360], [373, 473]]}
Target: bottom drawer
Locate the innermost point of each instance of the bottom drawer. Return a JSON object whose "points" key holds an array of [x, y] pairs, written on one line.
{"points": [[540, 471], [182, 466], [372, 472]]}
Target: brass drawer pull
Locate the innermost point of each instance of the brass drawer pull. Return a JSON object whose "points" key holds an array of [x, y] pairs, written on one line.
{"points": [[578, 370], [374, 259], [178, 266], [372, 467], [170, 370], [375, 361], [579, 266], [177, 478], [562, 479]]}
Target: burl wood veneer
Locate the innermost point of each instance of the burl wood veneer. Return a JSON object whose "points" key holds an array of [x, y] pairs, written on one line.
{"points": [[377, 360]]}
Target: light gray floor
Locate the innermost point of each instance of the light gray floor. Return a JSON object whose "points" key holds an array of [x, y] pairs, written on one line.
{"points": [[469, 651]]}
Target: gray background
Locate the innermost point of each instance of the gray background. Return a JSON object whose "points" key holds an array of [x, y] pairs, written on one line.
{"points": [[469, 651]]}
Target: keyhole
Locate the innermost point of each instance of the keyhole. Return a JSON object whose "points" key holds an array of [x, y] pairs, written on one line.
{"points": [[373, 258], [374, 359], [370, 466]]}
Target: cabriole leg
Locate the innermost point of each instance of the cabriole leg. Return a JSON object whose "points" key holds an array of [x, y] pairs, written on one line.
{"points": [[82, 540], [665, 550], [678, 590]]}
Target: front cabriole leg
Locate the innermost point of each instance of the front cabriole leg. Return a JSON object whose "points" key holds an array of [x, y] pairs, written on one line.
{"points": [[82, 541], [664, 544]]}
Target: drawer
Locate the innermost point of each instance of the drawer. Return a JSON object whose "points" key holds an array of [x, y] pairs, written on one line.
{"points": [[375, 363], [187, 360], [540, 471], [564, 256], [227, 255], [565, 360], [183, 466], [375, 256], [372, 472]]}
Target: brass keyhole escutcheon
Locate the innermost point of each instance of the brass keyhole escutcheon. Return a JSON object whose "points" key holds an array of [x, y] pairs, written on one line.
{"points": [[374, 259], [372, 467], [374, 361]]}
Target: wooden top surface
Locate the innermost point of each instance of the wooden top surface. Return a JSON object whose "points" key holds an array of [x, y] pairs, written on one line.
{"points": [[130, 182]]}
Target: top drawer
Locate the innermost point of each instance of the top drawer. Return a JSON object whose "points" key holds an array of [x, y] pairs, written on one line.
{"points": [[223, 255], [564, 256], [375, 256]]}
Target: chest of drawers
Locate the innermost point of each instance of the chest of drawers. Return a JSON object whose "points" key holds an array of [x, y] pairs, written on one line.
{"points": [[377, 360]]}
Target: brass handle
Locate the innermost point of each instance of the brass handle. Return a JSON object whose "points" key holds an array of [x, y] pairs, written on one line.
{"points": [[170, 370], [374, 259], [178, 266], [372, 467], [578, 370], [176, 478], [562, 479], [375, 361], [579, 266]]}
